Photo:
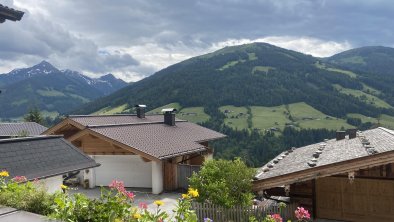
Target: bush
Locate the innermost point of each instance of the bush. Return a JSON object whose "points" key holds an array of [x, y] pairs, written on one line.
{"points": [[28, 196], [224, 182], [114, 205]]}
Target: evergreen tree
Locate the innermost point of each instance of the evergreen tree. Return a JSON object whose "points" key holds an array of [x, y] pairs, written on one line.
{"points": [[34, 115]]}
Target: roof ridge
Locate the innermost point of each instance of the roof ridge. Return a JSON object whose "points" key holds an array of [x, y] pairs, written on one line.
{"points": [[106, 115], [129, 124], [387, 130], [18, 123], [40, 137]]}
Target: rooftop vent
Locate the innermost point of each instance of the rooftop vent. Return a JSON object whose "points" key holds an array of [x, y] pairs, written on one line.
{"points": [[340, 135], [352, 133], [140, 111], [169, 116]]}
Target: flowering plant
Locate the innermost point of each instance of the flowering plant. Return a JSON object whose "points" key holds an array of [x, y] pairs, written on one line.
{"points": [[302, 214]]}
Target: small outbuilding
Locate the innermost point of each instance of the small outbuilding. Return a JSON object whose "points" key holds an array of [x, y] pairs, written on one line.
{"points": [[350, 178]]}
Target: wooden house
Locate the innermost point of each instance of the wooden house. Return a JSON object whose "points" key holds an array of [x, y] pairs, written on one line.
{"points": [[142, 151], [348, 178]]}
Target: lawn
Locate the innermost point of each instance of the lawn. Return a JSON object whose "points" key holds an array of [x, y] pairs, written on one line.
{"points": [[193, 114], [305, 116], [365, 97], [268, 117], [346, 72], [236, 116], [110, 110], [171, 105], [308, 117]]}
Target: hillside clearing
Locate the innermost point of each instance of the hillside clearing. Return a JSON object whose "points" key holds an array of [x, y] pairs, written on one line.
{"points": [[193, 114], [365, 97]]}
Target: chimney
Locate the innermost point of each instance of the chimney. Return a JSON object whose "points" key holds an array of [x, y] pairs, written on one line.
{"points": [[169, 116], [140, 111], [340, 135], [352, 133]]}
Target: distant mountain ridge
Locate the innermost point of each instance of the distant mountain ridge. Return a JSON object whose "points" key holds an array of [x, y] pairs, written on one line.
{"points": [[256, 74], [50, 89]]}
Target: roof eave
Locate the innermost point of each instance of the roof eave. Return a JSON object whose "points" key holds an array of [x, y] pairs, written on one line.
{"points": [[325, 170]]}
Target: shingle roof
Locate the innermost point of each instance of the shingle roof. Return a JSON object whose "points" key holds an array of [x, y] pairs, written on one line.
{"points": [[150, 135], [10, 14], [367, 143], [89, 120], [41, 157], [14, 129]]}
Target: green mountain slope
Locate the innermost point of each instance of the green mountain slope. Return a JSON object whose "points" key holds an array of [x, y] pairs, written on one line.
{"points": [[256, 74]]}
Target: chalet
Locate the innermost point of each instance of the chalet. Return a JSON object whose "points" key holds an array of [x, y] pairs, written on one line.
{"points": [[141, 150], [8, 130], [46, 158], [7, 13], [350, 178]]}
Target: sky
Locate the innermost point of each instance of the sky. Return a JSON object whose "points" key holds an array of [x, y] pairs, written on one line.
{"points": [[135, 38]]}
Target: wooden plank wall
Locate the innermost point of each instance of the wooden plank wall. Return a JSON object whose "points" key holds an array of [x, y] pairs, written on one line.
{"points": [[170, 175], [362, 200], [95, 146]]}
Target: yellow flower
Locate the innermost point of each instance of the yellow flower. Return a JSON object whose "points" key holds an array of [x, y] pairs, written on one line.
{"points": [[185, 196], [64, 187], [4, 174], [193, 192], [159, 203], [136, 216]]}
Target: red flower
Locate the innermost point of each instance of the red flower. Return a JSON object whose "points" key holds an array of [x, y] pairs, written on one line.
{"points": [[143, 205], [129, 194]]}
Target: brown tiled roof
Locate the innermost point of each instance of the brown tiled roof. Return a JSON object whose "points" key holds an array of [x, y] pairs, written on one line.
{"points": [[14, 129], [377, 140], [93, 120], [150, 135]]}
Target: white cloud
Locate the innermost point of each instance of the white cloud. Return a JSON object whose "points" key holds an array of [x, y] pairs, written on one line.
{"points": [[307, 45]]}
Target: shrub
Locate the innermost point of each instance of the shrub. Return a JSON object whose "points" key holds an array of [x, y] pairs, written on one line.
{"points": [[28, 196], [223, 182]]}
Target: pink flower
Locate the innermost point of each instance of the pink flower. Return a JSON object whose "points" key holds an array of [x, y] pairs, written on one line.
{"points": [[276, 217], [143, 205], [302, 214], [20, 179], [118, 185], [129, 194]]}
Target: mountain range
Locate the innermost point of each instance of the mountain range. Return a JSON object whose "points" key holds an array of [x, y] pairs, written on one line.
{"points": [[351, 84], [51, 90]]}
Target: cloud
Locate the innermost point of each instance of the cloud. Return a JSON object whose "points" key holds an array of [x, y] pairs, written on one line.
{"points": [[307, 45], [133, 39]]}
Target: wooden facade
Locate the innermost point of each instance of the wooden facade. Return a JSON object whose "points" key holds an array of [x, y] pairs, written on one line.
{"points": [[369, 197]]}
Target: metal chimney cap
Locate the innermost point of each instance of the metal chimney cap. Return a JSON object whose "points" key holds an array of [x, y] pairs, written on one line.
{"points": [[140, 105], [168, 110]]}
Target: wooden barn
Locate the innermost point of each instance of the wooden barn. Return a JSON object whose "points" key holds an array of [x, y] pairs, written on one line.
{"points": [[144, 151], [350, 178]]}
